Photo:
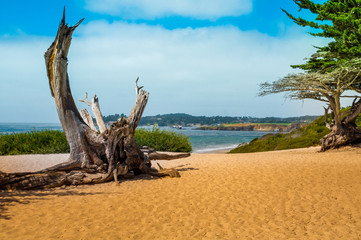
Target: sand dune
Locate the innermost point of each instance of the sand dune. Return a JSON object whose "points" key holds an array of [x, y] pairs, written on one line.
{"points": [[294, 194]]}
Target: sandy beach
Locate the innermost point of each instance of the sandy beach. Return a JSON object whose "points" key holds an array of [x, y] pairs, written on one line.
{"points": [[293, 194]]}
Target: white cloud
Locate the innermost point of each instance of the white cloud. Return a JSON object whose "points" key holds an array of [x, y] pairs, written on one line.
{"points": [[204, 71], [146, 9], [24, 88]]}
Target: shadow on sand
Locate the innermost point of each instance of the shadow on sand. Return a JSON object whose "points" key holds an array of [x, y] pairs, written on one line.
{"points": [[11, 198], [8, 199]]}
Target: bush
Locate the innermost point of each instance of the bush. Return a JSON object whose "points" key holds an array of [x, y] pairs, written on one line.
{"points": [[34, 142], [162, 140], [52, 141]]}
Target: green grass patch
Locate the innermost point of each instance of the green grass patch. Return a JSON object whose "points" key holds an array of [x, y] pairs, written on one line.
{"points": [[53, 141], [34, 142], [164, 140]]}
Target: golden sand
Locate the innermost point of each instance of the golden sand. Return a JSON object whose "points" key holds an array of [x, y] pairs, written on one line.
{"points": [[297, 194]]}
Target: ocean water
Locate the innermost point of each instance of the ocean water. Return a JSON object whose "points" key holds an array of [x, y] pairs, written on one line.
{"points": [[203, 141], [26, 127]]}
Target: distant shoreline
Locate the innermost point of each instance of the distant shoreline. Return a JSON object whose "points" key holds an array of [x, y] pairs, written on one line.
{"points": [[264, 127]]}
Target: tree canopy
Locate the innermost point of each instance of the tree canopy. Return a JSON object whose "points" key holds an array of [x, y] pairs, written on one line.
{"points": [[336, 19], [328, 87]]}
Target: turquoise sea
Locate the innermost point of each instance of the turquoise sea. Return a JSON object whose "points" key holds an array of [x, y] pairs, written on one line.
{"points": [[202, 140]]}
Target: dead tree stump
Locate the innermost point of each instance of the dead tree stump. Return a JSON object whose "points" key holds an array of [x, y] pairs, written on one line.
{"points": [[95, 157]]}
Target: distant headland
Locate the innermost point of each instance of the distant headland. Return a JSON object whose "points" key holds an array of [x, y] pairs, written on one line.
{"points": [[262, 127], [245, 123]]}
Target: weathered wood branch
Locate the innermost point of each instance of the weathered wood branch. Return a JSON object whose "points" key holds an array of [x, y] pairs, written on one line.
{"points": [[98, 114], [155, 155], [87, 118], [137, 111], [85, 100], [94, 104]]}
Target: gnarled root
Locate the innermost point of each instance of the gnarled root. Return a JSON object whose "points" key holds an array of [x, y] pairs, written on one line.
{"points": [[341, 136], [51, 179]]}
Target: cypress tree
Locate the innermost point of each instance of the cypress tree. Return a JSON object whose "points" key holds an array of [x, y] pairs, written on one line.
{"points": [[335, 69], [339, 20]]}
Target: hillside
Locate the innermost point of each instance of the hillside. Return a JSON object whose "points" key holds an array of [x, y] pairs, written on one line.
{"points": [[307, 136], [189, 120]]}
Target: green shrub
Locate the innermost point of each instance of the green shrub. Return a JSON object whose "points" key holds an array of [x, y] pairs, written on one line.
{"points": [[52, 141], [42, 142], [162, 140]]}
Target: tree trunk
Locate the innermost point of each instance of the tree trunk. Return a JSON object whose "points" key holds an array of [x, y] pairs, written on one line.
{"points": [[94, 157], [344, 133]]}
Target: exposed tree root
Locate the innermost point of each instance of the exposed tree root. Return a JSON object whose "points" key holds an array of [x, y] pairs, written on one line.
{"points": [[341, 136]]}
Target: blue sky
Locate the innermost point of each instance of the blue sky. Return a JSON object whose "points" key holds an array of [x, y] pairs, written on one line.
{"points": [[193, 56], [39, 17]]}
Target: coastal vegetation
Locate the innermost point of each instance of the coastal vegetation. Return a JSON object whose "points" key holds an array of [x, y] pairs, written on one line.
{"points": [[262, 127], [162, 140], [333, 72], [53, 141], [34, 142], [306, 136], [303, 137]]}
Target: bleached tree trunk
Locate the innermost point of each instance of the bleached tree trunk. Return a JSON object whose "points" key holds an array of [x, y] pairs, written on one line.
{"points": [[94, 157], [94, 104], [87, 119]]}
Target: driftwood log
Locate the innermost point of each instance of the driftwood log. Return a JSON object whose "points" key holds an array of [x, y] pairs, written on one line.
{"points": [[154, 155], [95, 157]]}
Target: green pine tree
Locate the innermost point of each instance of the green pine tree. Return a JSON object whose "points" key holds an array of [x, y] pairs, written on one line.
{"points": [[339, 20]]}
